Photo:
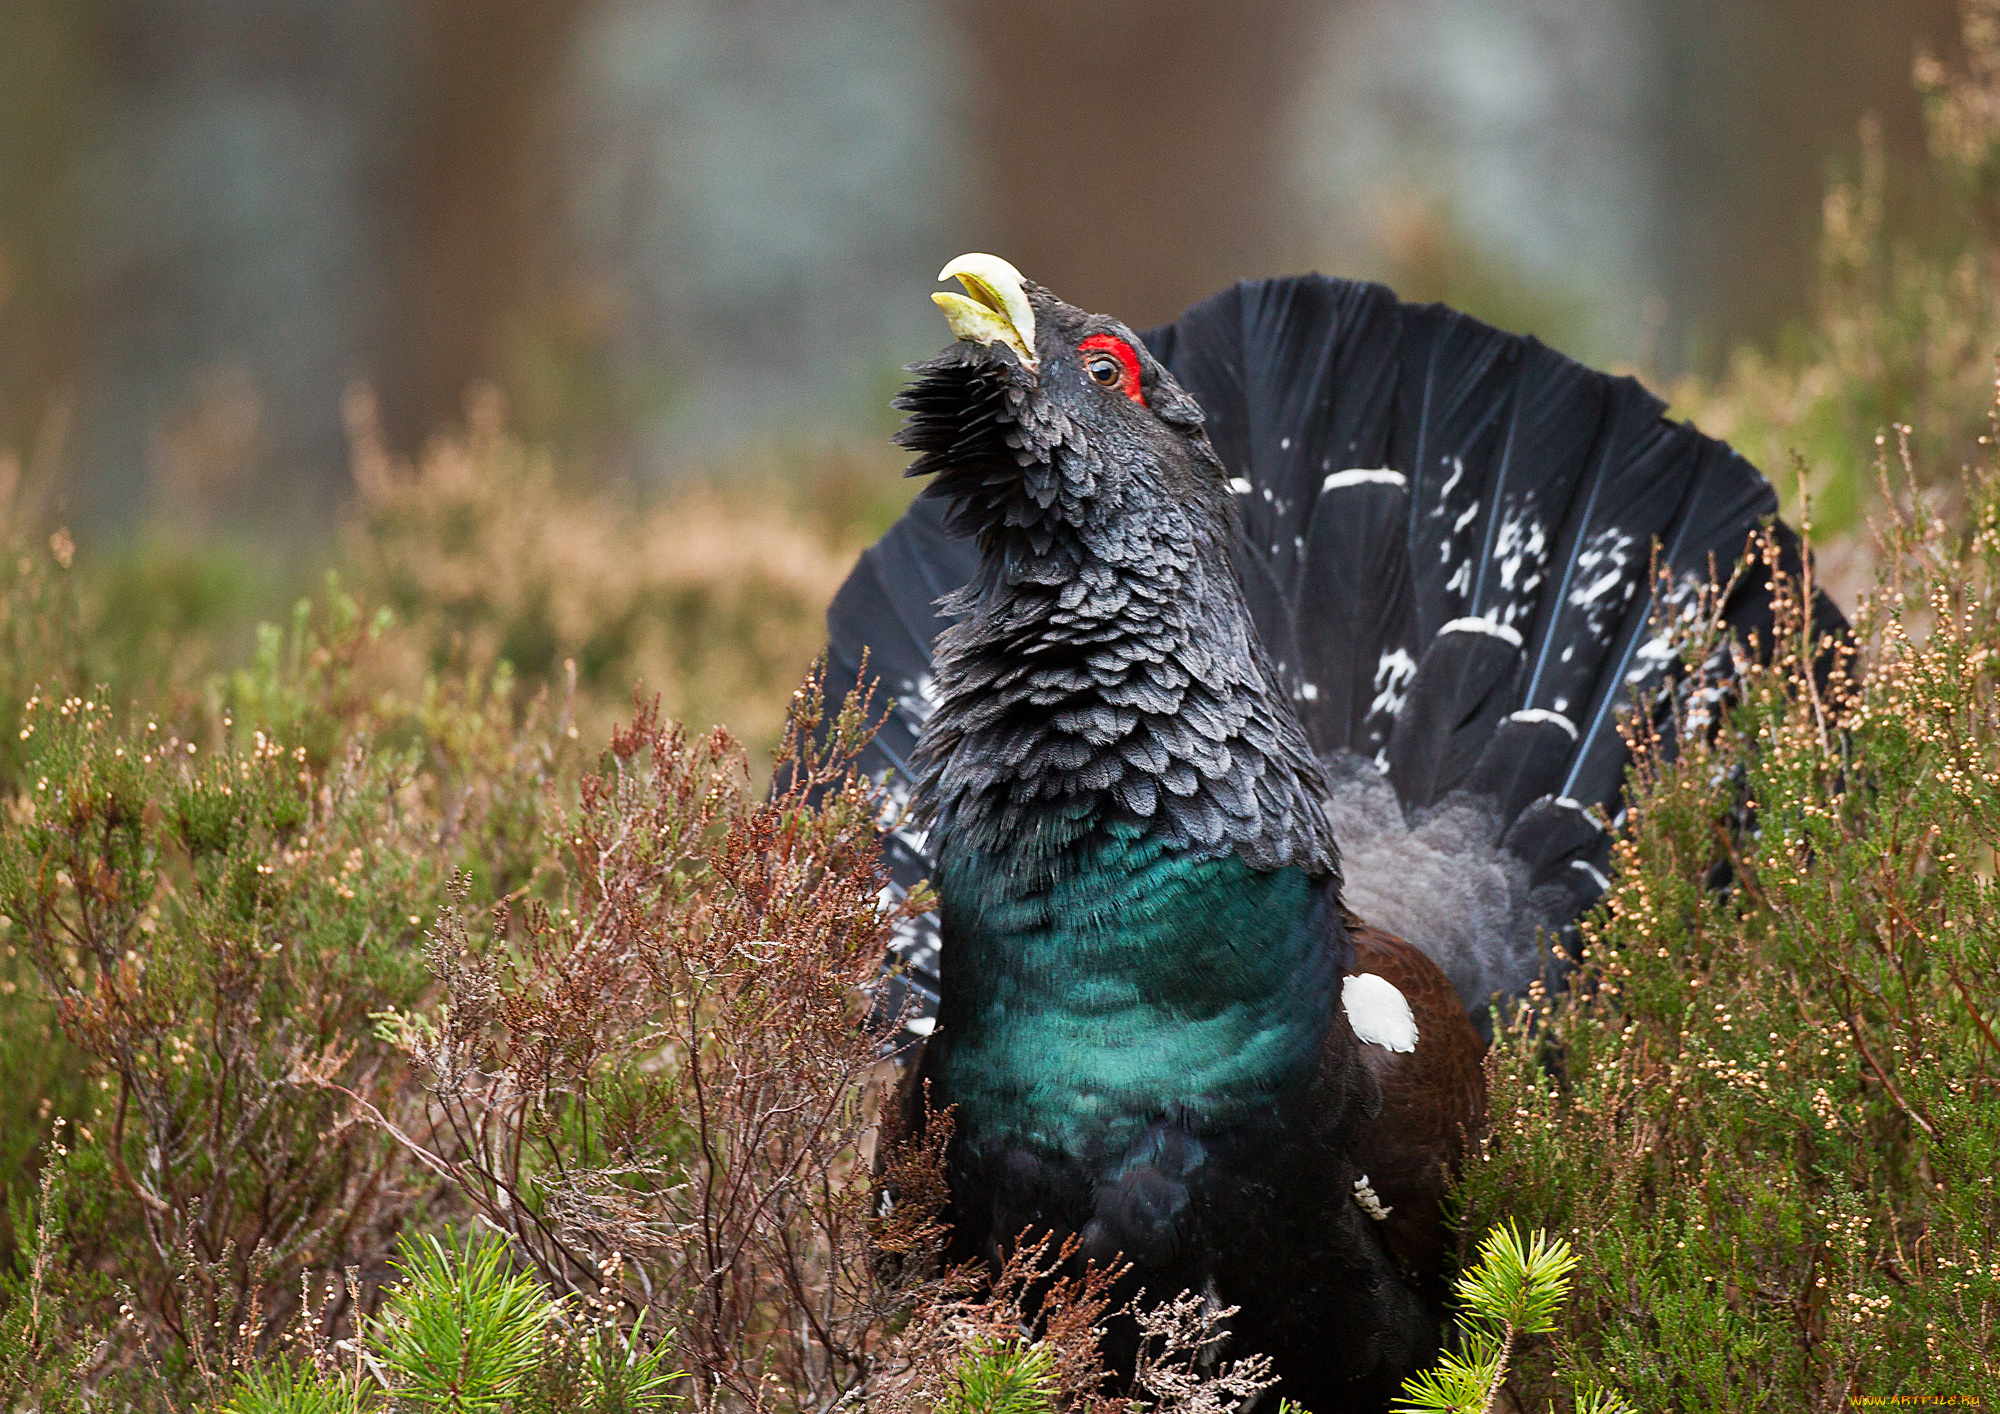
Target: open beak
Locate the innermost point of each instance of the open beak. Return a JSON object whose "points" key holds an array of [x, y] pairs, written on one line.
{"points": [[997, 312]]}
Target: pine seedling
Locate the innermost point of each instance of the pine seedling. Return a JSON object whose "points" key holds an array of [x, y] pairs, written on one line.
{"points": [[294, 1387], [626, 1379], [599, 1369], [461, 1332], [1003, 1377], [1515, 1289]]}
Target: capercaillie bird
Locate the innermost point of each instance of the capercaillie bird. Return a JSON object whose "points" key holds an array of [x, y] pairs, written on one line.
{"points": [[1202, 647]]}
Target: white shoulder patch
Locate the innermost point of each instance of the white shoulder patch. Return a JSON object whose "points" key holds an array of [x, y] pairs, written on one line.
{"points": [[1378, 1012]]}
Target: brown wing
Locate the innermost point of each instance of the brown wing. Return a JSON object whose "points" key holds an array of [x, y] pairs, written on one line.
{"points": [[1433, 1101]]}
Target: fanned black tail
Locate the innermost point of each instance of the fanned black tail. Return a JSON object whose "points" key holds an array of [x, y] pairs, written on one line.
{"points": [[1450, 535]]}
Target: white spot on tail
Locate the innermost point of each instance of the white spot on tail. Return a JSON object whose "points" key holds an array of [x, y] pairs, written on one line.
{"points": [[1539, 714], [1239, 485], [1363, 476], [1498, 630], [1309, 691], [1653, 657], [921, 697], [1392, 681], [1378, 1012], [1284, 444], [920, 1025], [1444, 491], [1602, 564]]}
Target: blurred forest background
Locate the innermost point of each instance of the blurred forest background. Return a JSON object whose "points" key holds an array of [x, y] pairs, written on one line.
{"points": [[681, 249], [387, 386]]}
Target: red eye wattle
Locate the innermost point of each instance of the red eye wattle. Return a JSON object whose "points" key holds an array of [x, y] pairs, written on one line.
{"points": [[1111, 363]]}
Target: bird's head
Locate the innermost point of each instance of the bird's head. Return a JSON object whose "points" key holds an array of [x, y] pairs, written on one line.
{"points": [[1042, 414], [1105, 664]]}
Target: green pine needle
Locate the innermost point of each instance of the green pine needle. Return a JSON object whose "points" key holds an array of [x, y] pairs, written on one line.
{"points": [[282, 1386], [1457, 1386], [461, 1331], [1516, 1288], [1003, 1377]]}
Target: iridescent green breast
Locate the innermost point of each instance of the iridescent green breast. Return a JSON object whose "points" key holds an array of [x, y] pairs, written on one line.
{"points": [[1125, 982]]}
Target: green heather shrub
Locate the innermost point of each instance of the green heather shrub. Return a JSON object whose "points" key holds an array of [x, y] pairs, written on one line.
{"points": [[1767, 1117], [192, 926], [713, 596], [46, 1340], [204, 925]]}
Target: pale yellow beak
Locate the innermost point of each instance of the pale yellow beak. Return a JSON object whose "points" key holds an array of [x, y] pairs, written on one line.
{"points": [[997, 313]]}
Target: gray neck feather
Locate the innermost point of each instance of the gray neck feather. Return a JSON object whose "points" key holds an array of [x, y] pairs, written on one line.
{"points": [[1109, 671]]}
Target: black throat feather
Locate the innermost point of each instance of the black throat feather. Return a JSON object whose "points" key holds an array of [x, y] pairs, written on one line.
{"points": [[1106, 669]]}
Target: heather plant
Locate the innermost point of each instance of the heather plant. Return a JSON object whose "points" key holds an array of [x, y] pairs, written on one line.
{"points": [[1766, 1116], [656, 1083], [188, 916], [199, 923], [712, 595], [40, 641], [46, 1340]]}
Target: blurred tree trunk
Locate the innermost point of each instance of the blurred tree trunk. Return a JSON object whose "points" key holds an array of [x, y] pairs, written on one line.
{"points": [[1133, 154], [465, 228], [47, 93]]}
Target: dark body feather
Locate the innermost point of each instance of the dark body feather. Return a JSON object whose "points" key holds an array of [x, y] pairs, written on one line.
{"points": [[1447, 543], [1345, 581]]}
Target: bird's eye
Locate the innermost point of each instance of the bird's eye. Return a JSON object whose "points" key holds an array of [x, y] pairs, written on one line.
{"points": [[1110, 363]]}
